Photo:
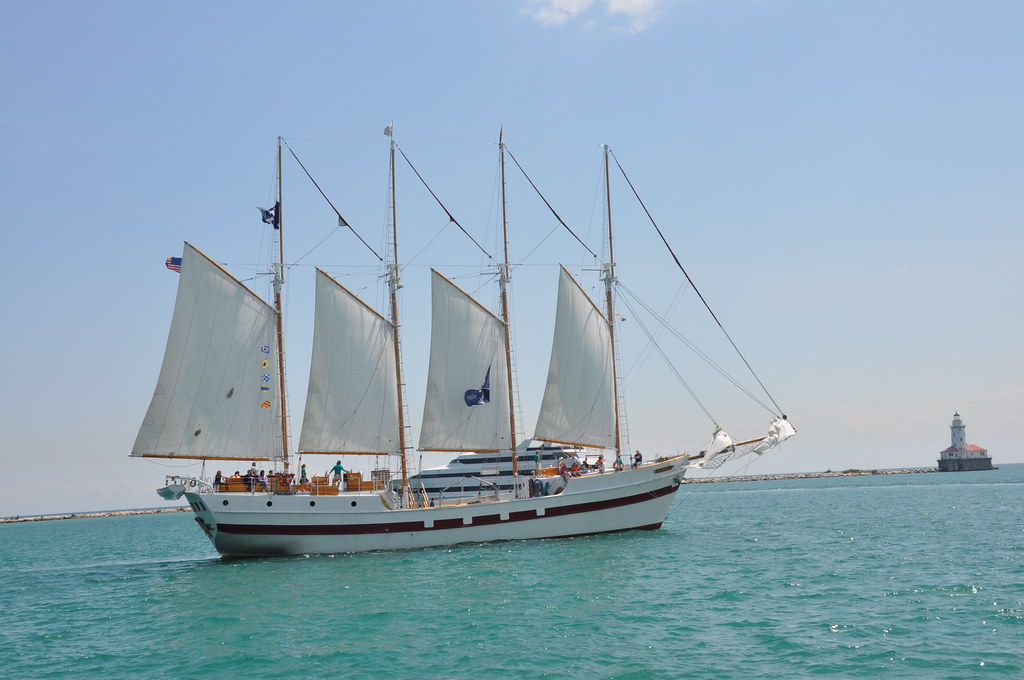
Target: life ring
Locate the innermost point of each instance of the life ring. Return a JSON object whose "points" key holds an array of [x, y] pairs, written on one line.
{"points": [[192, 483]]}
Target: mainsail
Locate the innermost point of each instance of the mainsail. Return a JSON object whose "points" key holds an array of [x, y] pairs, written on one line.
{"points": [[466, 406], [352, 403], [579, 402], [216, 394]]}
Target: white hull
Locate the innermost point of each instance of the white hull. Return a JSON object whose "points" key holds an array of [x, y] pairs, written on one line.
{"points": [[264, 524]]}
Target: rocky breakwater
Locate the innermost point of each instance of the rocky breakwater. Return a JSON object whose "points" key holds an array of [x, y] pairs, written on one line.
{"points": [[806, 475], [81, 515]]}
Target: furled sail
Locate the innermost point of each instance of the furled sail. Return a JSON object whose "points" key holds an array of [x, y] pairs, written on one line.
{"points": [[579, 399], [216, 396], [466, 407], [722, 449], [352, 400], [779, 431], [721, 443]]}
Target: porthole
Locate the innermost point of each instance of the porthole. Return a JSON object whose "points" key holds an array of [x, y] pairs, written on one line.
{"points": [[269, 503], [312, 504], [225, 502], [353, 504]]}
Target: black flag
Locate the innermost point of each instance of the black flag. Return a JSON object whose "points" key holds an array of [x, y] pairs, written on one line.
{"points": [[272, 215]]}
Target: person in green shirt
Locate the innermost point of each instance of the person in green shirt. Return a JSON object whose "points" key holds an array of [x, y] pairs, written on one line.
{"points": [[337, 470]]}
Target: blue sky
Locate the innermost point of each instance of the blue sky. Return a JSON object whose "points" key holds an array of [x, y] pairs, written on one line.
{"points": [[842, 180]]}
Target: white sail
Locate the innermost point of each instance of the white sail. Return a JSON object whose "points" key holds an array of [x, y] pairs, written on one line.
{"points": [[466, 407], [217, 394], [579, 402], [721, 442], [352, 400], [779, 431]]}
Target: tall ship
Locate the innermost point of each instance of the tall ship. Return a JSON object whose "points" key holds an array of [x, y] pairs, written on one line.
{"points": [[221, 400], [960, 456]]}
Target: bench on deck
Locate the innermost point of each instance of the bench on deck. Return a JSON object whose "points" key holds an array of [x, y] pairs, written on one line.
{"points": [[275, 482]]}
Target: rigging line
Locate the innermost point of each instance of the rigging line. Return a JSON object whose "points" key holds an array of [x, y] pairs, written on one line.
{"points": [[696, 350], [447, 212], [557, 217], [341, 220], [671, 366], [692, 284], [539, 244], [642, 358], [320, 243], [410, 262]]}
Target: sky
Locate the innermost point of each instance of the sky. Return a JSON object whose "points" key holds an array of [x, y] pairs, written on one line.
{"points": [[841, 180]]}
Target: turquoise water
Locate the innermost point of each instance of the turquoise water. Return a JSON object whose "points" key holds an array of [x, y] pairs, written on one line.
{"points": [[904, 576]]}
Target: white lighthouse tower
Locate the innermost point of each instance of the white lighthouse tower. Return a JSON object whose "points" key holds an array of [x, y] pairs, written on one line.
{"points": [[958, 432], [961, 456]]}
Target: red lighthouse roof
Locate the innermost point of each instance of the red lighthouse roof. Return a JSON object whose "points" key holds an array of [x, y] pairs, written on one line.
{"points": [[970, 447]]}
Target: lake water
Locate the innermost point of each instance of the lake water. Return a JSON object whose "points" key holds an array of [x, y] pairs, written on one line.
{"points": [[901, 576]]}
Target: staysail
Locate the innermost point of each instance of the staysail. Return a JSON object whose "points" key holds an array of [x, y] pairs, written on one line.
{"points": [[216, 394], [466, 406], [351, 403], [579, 400]]}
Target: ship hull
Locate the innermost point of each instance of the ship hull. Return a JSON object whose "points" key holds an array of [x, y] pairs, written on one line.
{"points": [[262, 524]]}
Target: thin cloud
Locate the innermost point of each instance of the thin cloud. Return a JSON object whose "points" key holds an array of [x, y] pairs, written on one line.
{"points": [[639, 14]]}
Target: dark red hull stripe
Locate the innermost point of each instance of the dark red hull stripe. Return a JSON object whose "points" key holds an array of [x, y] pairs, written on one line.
{"points": [[454, 523]]}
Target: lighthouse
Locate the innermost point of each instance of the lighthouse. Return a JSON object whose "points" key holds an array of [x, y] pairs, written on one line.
{"points": [[961, 456]]}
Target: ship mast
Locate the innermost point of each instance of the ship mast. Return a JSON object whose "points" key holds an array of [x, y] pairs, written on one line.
{"points": [[394, 284], [278, 283], [609, 281], [503, 279]]}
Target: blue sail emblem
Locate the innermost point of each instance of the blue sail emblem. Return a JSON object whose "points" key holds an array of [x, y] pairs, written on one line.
{"points": [[482, 395]]}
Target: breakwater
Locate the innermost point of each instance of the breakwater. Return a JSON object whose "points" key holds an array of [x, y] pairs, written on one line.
{"points": [[82, 515], [806, 475]]}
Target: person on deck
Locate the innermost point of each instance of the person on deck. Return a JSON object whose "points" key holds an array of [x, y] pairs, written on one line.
{"points": [[618, 465], [637, 459], [600, 463], [338, 471], [303, 479], [218, 480], [263, 479]]}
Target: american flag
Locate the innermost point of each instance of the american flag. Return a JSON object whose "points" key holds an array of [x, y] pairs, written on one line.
{"points": [[174, 264]]}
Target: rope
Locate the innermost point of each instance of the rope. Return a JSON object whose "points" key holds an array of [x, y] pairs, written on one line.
{"points": [[696, 350], [679, 376], [692, 284], [447, 212], [341, 220], [557, 217]]}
